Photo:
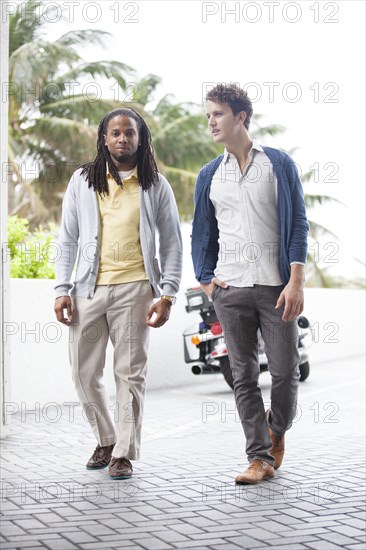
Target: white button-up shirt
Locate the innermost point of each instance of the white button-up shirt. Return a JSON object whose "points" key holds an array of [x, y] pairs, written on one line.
{"points": [[246, 211]]}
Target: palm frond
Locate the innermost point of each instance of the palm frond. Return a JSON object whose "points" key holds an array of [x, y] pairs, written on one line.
{"points": [[312, 199], [115, 70], [318, 230], [79, 108], [33, 66], [24, 28], [145, 87], [81, 37], [271, 129], [65, 136]]}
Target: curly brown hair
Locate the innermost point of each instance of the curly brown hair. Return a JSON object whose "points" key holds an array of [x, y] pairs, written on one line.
{"points": [[236, 97]]}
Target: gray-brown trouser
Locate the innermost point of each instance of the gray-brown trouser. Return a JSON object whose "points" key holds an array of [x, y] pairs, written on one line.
{"points": [[117, 312], [241, 311]]}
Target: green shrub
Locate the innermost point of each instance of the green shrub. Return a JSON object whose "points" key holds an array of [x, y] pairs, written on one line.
{"points": [[30, 253]]}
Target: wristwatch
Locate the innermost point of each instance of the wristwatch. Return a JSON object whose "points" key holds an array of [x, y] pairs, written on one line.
{"points": [[171, 299]]}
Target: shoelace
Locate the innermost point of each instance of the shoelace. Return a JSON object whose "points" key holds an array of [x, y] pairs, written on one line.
{"points": [[255, 464], [96, 453], [123, 461]]}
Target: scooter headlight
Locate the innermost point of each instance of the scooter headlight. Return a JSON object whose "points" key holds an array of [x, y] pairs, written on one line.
{"points": [[195, 301]]}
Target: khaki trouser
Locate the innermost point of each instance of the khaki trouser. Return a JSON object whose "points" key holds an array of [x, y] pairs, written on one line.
{"points": [[117, 312]]}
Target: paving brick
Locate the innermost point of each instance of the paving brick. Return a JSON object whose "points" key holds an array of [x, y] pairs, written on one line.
{"points": [[48, 518], [171, 536], [290, 541], [170, 510], [154, 544], [186, 528], [348, 531], [78, 536], [102, 546], [337, 538], [322, 545], [115, 523], [297, 513], [272, 526], [293, 546], [225, 530], [214, 515], [201, 544], [131, 517], [58, 544], [225, 546], [27, 524], [244, 541], [200, 521], [97, 529], [360, 515], [9, 530]]}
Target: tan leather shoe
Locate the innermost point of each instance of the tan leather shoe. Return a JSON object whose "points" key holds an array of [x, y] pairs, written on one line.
{"points": [[278, 446], [100, 458], [120, 468], [256, 472]]}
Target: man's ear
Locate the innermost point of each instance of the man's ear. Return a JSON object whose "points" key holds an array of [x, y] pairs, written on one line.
{"points": [[242, 116], [105, 138]]}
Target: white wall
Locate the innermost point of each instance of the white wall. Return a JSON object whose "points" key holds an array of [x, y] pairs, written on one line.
{"points": [[40, 368]]}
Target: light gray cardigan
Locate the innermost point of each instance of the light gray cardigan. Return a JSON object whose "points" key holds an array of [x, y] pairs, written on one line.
{"points": [[80, 237]]}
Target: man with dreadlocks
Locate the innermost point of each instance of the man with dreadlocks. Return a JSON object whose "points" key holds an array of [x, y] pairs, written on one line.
{"points": [[112, 209]]}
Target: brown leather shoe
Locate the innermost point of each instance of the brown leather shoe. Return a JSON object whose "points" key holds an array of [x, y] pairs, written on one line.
{"points": [[120, 468], [256, 472], [100, 458], [278, 446]]}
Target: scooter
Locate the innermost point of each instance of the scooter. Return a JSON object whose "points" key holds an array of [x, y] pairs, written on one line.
{"points": [[204, 343]]}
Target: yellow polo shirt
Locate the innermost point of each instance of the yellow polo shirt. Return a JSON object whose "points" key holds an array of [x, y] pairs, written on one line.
{"points": [[121, 259]]}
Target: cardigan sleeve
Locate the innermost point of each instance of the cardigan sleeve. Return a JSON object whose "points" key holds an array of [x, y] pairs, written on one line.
{"points": [[297, 246], [68, 240]]}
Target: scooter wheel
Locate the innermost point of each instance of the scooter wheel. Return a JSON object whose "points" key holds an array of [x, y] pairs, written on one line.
{"points": [[304, 371], [226, 371]]}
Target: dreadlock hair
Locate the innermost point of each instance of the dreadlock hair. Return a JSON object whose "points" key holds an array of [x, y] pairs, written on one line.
{"points": [[235, 96], [96, 171]]}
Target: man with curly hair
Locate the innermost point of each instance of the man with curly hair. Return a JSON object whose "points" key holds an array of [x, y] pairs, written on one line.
{"points": [[249, 247]]}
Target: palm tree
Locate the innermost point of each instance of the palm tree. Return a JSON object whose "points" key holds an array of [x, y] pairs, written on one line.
{"points": [[51, 128], [54, 129]]}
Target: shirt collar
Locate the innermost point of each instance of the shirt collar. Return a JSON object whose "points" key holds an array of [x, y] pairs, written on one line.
{"points": [[133, 175], [255, 145]]}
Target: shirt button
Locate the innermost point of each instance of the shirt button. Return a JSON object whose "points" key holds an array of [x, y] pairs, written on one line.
{"points": [[96, 238]]}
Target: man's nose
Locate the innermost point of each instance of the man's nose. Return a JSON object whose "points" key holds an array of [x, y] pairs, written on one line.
{"points": [[122, 138]]}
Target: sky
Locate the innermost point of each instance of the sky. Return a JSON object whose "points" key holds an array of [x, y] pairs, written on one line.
{"points": [[302, 63]]}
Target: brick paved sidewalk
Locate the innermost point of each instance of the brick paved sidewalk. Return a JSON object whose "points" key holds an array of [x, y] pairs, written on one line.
{"points": [[182, 494]]}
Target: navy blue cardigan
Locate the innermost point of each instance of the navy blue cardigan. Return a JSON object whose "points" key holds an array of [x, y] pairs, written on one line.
{"points": [[294, 226]]}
